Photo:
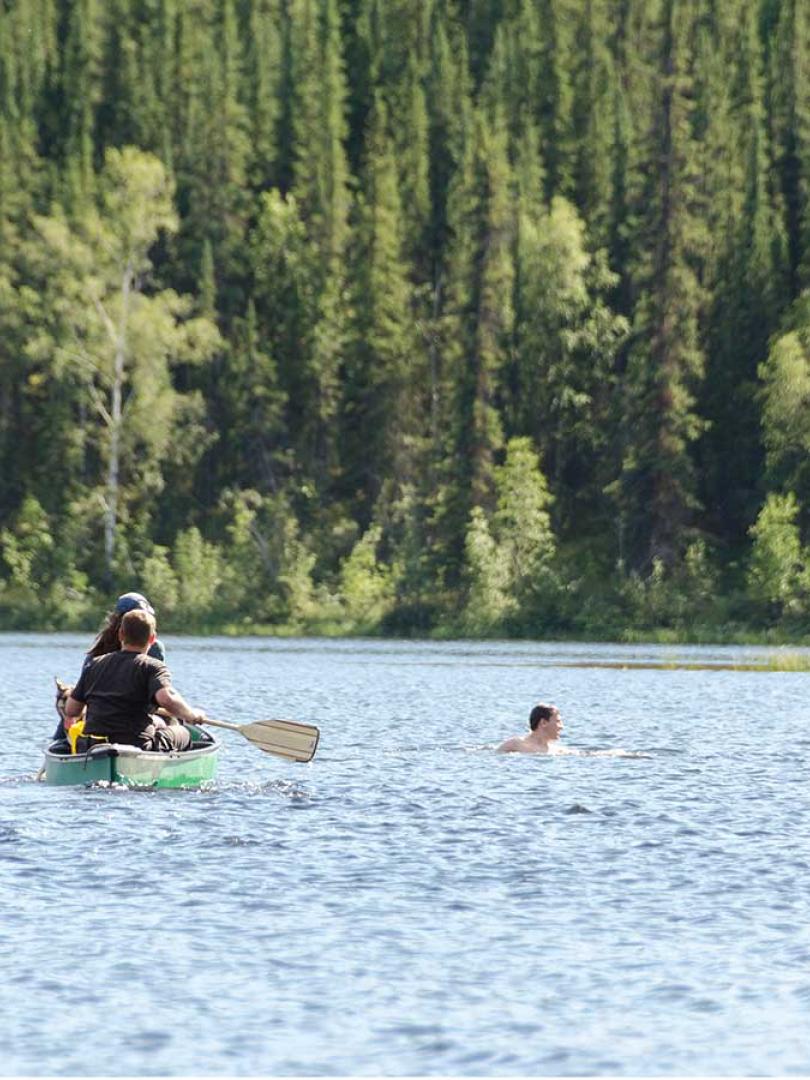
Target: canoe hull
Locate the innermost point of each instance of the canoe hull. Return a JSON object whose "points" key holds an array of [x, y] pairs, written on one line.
{"points": [[131, 767]]}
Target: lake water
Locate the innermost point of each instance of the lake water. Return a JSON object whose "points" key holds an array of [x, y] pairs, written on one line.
{"points": [[410, 902]]}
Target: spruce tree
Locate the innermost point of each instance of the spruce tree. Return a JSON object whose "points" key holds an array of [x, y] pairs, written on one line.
{"points": [[594, 89], [383, 378], [555, 114], [745, 266], [320, 169], [788, 61], [263, 85], [478, 324], [658, 491], [320, 184], [251, 420], [212, 155], [81, 90]]}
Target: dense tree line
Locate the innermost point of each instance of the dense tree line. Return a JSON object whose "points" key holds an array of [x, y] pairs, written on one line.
{"points": [[470, 316]]}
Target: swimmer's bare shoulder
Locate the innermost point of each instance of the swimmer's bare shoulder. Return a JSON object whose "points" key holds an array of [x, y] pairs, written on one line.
{"points": [[523, 745], [512, 746]]}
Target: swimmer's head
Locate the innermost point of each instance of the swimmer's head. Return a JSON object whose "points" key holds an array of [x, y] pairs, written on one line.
{"points": [[547, 716]]}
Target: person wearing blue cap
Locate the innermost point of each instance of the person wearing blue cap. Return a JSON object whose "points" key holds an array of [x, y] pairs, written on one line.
{"points": [[108, 640]]}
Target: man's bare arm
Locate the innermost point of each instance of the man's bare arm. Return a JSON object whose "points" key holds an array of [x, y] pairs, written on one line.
{"points": [[173, 702]]}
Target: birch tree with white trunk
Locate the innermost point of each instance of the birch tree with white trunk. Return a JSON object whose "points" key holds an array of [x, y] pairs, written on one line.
{"points": [[115, 339]]}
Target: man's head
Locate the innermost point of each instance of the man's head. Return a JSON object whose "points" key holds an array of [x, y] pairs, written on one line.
{"points": [[546, 719], [137, 629]]}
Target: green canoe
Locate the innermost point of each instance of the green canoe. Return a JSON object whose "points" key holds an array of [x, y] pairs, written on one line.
{"points": [[115, 763]]}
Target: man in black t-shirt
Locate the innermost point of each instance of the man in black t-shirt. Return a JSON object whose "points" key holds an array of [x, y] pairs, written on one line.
{"points": [[121, 689]]}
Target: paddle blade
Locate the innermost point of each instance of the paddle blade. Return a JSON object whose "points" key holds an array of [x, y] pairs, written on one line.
{"points": [[287, 738]]}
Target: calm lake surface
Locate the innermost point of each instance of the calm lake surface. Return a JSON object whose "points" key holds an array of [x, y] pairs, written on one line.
{"points": [[410, 902]]}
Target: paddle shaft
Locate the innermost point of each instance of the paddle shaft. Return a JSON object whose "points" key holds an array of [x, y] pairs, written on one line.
{"points": [[221, 723]]}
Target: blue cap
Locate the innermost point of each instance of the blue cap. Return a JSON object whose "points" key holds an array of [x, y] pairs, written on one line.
{"points": [[132, 600]]}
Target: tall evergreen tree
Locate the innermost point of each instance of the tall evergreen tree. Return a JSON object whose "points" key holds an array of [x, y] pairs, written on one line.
{"points": [[383, 379], [514, 80], [556, 101], [666, 362], [320, 171], [478, 320], [251, 448], [212, 156], [81, 92], [263, 82], [745, 269], [594, 90], [391, 44], [788, 57], [449, 95], [320, 183]]}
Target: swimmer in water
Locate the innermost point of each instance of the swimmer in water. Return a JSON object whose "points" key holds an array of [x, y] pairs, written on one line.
{"points": [[546, 728]]}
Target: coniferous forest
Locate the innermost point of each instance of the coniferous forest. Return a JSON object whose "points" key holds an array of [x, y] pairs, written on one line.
{"points": [[482, 317]]}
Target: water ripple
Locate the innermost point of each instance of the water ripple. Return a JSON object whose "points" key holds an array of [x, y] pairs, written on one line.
{"points": [[439, 909]]}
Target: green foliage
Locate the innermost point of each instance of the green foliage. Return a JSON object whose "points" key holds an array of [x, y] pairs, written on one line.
{"points": [[679, 597], [41, 585], [383, 375], [477, 329], [296, 294], [786, 411], [199, 571], [267, 564], [566, 342], [521, 522], [778, 575], [105, 340], [367, 587], [27, 549], [509, 557], [745, 267], [489, 601], [666, 362], [160, 583]]}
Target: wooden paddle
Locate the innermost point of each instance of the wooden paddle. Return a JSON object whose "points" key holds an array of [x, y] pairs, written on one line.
{"points": [[283, 737]]}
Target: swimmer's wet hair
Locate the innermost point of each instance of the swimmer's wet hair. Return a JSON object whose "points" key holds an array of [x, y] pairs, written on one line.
{"points": [[540, 713]]}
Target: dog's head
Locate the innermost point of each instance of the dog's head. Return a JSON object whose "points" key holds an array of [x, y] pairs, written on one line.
{"points": [[62, 694]]}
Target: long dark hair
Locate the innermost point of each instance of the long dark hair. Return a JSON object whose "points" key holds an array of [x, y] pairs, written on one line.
{"points": [[107, 640]]}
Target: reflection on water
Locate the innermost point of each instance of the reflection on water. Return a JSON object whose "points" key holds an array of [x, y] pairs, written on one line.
{"points": [[412, 903]]}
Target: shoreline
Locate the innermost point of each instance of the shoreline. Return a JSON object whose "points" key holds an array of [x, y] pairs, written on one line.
{"points": [[785, 653]]}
